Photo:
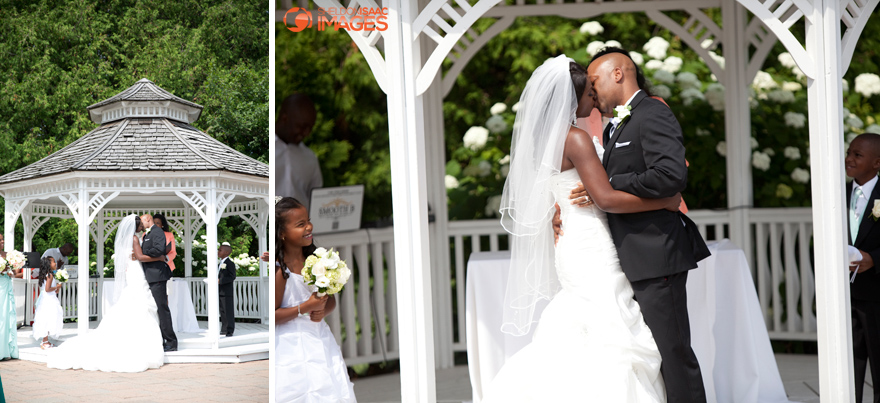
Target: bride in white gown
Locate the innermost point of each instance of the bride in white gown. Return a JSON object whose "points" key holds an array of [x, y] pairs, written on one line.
{"points": [[591, 343], [128, 338]]}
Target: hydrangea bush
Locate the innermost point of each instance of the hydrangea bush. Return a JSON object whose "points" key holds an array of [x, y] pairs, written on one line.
{"points": [[780, 139]]}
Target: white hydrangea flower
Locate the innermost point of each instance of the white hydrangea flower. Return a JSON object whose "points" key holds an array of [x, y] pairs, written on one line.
{"points": [[850, 137], [717, 58], [721, 148], [715, 96], [873, 128], [688, 95], [844, 84], [661, 91], [787, 60], [504, 160], [613, 43], [760, 161], [505, 169], [485, 168], [664, 76], [515, 107], [792, 153], [475, 138], [637, 57], [672, 64], [592, 28], [781, 96], [853, 121], [702, 132], [594, 47], [654, 65], [784, 191], [687, 79], [769, 151], [493, 204], [656, 47], [798, 72], [800, 175], [792, 86], [451, 182], [713, 78], [763, 81], [795, 119], [496, 124], [706, 43], [867, 84], [498, 108], [753, 142]]}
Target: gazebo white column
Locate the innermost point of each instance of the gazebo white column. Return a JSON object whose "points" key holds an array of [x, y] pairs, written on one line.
{"points": [[12, 209], [82, 225], [409, 199], [187, 237]]}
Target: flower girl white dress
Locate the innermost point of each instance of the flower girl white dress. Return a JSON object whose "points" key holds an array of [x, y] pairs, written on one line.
{"points": [[309, 367], [49, 316]]}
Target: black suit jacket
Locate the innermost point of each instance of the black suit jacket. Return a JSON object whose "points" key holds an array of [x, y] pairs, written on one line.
{"points": [[866, 287], [645, 157], [227, 273], [154, 246]]}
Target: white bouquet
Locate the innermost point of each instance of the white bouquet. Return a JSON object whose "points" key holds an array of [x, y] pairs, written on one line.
{"points": [[15, 259], [5, 269], [61, 275], [326, 271]]}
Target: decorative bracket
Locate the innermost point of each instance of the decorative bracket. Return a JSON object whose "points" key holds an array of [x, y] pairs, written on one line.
{"points": [[14, 208], [696, 30], [854, 18], [779, 17], [197, 201]]}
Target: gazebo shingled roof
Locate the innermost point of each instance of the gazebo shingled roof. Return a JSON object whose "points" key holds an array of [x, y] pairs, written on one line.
{"points": [[124, 144]]}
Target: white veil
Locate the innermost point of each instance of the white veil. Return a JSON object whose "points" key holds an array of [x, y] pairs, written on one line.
{"points": [[547, 110], [123, 248]]}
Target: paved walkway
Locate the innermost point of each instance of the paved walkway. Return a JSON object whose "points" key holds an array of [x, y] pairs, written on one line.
{"points": [[26, 381]]}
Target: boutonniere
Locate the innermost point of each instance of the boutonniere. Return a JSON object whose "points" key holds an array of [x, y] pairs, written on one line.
{"points": [[622, 113], [147, 231], [875, 212]]}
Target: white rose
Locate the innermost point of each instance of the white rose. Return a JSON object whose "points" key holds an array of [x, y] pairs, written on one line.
{"points": [[867, 84], [721, 148], [715, 96], [320, 252], [592, 28], [760, 160], [800, 175], [451, 182], [792, 153], [594, 47], [637, 57], [672, 64], [498, 108], [795, 120], [496, 124], [792, 86], [763, 81], [493, 204], [689, 95], [475, 138], [322, 282], [656, 47], [876, 210], [664, 76], [661, 91], [654, 65], [319, 269], [781, 96], [344, 274]]}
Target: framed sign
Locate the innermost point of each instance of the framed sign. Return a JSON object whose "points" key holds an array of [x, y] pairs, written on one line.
{"points": [[336, 209]]}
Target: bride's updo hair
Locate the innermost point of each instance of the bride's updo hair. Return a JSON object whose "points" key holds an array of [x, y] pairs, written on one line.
{"points": [[578, 78]]}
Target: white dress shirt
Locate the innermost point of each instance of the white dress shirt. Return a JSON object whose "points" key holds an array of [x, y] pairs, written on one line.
{"points": [[297, 171], [862, 202]]}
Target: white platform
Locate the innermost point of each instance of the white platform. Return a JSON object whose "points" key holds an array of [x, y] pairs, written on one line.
{"points": [[250, 343]]}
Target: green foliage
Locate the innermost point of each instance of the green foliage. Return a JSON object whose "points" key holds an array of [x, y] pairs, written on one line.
{"points": [[58, 57]]}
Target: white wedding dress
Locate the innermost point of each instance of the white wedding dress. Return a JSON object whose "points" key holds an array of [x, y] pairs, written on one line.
{"points": [[128, 338], [591, 343]]}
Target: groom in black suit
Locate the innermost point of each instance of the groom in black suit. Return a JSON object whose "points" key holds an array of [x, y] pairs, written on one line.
{"points": [[157, 275], [644, 156]]}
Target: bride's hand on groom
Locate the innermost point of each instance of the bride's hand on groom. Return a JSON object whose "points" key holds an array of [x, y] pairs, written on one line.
{"points": [[579, 197]]}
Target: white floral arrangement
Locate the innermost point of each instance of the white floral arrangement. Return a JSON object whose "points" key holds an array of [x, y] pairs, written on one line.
{"points": [[14, 260], [5, 269], [326, 271], [61, 275], [246, 261]]}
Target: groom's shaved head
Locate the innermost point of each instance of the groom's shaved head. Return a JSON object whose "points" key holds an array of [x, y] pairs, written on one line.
{"points": [[615, 78]]}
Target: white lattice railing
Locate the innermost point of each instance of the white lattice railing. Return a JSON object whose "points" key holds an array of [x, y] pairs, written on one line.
{"points": [[782, 256], [249, 292]]}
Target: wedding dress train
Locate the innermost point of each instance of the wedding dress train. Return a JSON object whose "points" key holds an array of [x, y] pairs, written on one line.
{"points": [[591, 343]]}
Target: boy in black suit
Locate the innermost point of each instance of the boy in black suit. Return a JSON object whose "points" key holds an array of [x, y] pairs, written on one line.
{"points": [[862, 163], [226, 278]]}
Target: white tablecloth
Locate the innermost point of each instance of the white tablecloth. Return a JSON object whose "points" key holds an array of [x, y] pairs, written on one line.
{"points": [[183, 314], [728, 334]]}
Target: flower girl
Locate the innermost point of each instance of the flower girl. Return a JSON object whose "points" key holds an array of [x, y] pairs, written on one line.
{"points": [[49, 316], [308, 362]]}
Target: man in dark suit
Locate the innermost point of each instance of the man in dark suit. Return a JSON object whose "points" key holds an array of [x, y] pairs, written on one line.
{"points": [[862, 163], [157, 275], [645, 156], [226, 278]]}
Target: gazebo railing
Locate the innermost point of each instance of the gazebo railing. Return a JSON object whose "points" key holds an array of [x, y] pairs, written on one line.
{"points": [[249, 292], [781, 260]]}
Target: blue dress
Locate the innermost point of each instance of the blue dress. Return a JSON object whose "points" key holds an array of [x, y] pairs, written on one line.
{"points": [[8, 333]]}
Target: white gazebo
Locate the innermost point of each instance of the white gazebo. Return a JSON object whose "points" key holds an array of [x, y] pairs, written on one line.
{"points": [[144, 157], [406, 61]]}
